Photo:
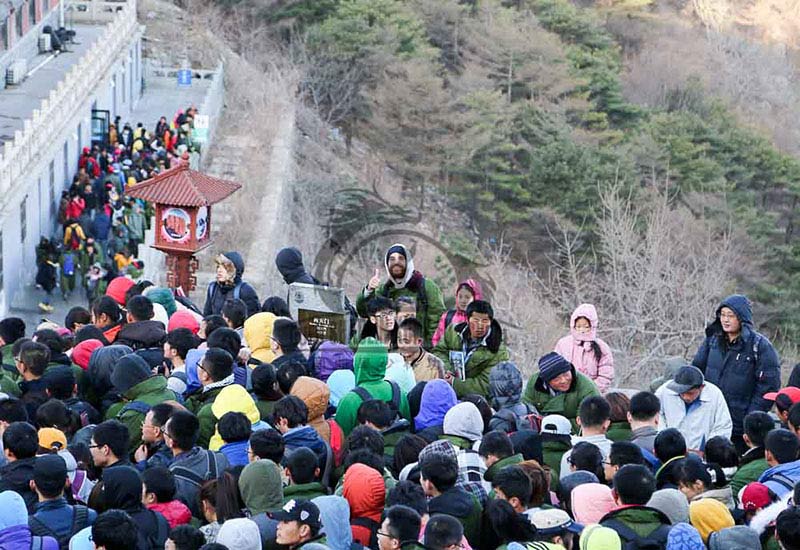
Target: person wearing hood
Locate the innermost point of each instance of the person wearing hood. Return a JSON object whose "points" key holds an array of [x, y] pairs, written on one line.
{"points": [[365, 492], [369, 365], [234, 398], [438, 397], [334, 512], [591, 501], [14, 531], [505, 394], [588, 353], [229, 284], [133, 379], [289, 262], [558, 388], [258, 335], [467, 292], [122, 489], [632, 519], [141, 333], [315, 394], [672, 503], [469, 350], [683, 536], [262, 493], [404, 280], [463, 428], [708, 516], [101, 365], [740, 361]]}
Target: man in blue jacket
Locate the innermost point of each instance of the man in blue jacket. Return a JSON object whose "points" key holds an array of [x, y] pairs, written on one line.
{"points": [[739, 361]]}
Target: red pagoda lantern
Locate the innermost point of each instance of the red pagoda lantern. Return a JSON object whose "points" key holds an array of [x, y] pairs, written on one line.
{"points": [[183, 200]]}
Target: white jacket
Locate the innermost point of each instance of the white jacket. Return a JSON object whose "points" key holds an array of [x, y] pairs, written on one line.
{"points": [[707, 419]]}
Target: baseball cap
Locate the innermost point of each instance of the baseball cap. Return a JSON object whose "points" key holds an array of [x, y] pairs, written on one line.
{"points": [[554, 521], [785, 397], [52, 439], [686, 378], [555, 424], [755, 496], [50, 472], [301, 511]]}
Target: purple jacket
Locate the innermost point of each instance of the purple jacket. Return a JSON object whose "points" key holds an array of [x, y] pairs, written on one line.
{"points": [[18, 537], [438, 397]]}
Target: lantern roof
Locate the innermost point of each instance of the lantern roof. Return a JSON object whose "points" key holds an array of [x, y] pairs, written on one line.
{"points": [[181, 186]]}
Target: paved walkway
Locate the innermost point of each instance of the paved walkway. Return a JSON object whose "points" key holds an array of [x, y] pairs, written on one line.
{"points": [[17, 103], [162, 97]]}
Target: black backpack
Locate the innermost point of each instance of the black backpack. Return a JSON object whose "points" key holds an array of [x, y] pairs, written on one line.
{"points": [[657, 540], [373, 527], [80, 520], [394, 403], [194, 478]]}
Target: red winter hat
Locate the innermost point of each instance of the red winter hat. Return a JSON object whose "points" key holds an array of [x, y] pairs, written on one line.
{"points": [[117, 289], [85, 150], [755, 497], [83, 352], [183, 319]]}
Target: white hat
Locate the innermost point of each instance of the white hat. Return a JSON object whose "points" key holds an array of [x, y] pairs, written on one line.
{"points": [[240, 533], [556, 424]]}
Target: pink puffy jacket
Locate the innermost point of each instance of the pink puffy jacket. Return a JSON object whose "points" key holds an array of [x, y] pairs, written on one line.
{"points": [[577, 348]]}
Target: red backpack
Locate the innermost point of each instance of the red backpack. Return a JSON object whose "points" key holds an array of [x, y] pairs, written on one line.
{"points": [[337, 441]]}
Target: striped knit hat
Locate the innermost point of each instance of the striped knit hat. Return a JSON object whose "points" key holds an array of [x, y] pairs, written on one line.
{"points": [[553, 365]]}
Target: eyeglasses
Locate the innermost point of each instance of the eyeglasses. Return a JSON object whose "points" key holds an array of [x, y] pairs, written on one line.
{"points": [[386, 315], [382, 534], [95, 446]]}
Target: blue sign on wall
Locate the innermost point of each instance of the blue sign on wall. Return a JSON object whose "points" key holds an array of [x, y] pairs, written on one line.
{"points": [[184, 77]]}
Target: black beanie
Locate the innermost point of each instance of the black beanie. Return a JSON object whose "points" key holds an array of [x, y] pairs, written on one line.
{"points": [[287, 333], [396, 249], [129, 371]]}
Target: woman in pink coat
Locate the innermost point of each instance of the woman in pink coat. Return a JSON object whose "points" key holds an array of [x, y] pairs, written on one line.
{"points": [[585, 350]]}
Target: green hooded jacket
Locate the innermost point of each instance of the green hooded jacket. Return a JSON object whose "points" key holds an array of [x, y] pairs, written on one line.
{"points": [[304, 491], [8, 361], [567, 403], [479, 363], [261, 487], [553, 448], [369, 366], [642, 520], [208, 421], [492, 470], [151, 391], [619, 431], [748, 473]]}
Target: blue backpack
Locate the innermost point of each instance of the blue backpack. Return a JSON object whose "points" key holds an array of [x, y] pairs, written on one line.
{"points": [[69, 265]]}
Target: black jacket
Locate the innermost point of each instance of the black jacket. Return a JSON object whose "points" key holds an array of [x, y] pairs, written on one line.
{"points": [[219, 294], [15, 476]]}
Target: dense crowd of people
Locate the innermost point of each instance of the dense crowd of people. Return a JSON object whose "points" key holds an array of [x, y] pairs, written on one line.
{"points": [[145, 421], [100, 228]]}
